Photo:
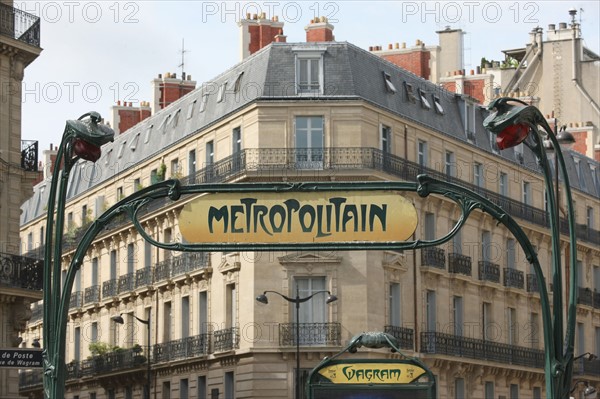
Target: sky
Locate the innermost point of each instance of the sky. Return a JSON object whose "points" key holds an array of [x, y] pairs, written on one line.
{"points": [[98, 52]]}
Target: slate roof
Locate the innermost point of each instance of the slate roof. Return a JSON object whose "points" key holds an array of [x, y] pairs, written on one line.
{"points": [[350, 73]]}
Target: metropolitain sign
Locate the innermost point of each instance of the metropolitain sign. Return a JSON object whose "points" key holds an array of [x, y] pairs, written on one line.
{"points": [[298, 217]]}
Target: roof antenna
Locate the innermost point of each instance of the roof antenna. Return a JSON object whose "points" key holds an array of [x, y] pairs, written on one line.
{"points": [[182, 65]]}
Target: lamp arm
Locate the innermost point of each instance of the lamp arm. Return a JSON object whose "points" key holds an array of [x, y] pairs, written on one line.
{"points": [[281, 295], [301, 300]]}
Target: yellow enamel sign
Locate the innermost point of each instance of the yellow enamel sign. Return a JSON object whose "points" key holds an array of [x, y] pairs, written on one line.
{"points": [[372, 373], [298, 217]]}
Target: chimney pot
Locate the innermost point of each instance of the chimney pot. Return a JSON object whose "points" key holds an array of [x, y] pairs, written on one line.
{"points": [[397, 46], [472, 72], [160, 75], [370, 48], [403, 44], [478, 70], [248, 15], [118, 102], [390, 46], [562, 25], [551, 27]]}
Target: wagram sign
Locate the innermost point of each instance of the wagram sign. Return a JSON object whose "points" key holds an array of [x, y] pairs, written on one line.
{"points": [[298, 217]]}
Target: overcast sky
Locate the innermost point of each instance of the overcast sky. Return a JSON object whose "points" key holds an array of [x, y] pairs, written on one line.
{"points": [[97, 52]]}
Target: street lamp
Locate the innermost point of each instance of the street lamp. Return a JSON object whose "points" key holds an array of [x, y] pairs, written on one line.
{"points": [[587, 392], [263, 299], [119, 320], [515, 122]]}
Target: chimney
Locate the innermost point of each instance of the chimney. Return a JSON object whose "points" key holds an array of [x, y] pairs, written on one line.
{"points": [[319, 30], [49, 158], [126, 116], [167, 89], [257, 31], [451, 50]]}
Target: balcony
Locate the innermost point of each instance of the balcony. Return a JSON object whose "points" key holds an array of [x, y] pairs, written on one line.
{"points": [[185, 348], [31, 379], [405, 336], [585, 296], [110, 288], [19, 25], [532, 283], [459, 264], [76, 300], [178, 265], [29, 155], [126, 283], [455, 345], [227, 339], [92, 294], [434, 257], [111, 362], [311, 334], [143, 277], [596, 299], [589, 367], [21, 272], [513, 278], [489, 271]]}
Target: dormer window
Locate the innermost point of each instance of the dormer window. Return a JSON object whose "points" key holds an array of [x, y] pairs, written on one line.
{"points": [[221, 94], [203, 103], [165, 122], [438, 105], [424, 103], [176, 118], [134, 142], [148, 133], [309, 70], [238, 82], [121, 148], [389, 86], [410, 93]]}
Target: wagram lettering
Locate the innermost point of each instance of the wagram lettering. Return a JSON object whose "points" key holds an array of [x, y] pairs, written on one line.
{"points": [[371, 374], [323, 220]]}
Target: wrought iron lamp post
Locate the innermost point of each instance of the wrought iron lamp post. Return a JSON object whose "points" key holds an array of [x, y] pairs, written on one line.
{"points": [[81, 139], [119, 319], [297, 300], [515, 122]]}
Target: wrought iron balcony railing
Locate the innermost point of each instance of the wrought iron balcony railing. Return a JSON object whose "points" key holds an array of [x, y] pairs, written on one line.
{"points": [[405, 336], [584, 366], [227, 339], [585, 296], [19, 25], [185, 348], [92, 294], [110, 288], [532, 283], [121, 359], [455, 345], [76, 300], [596, 299], [29, 155], [126, 283], [513, 278], [143, 277], [434, 257], [21, 272], [311, 334], [177, 265], [31, 379], [460, 264], [489, 271]]}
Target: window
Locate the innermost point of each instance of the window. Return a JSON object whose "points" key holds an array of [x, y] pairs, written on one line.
{"points": [[478, 174], [514, 391], [459, 388], [597, 339], [395, 318], [175, 119], [229, 385], [537, 393], [166, 390], [309, 142], [410, 93], [503, 184], [236, 140], [231, 304], [113, 264], [580, 338], [203, 310], [313, 311], [84, 215], [424, 103], [526, 193], [431, 312], [596, 279], [147, 254], [128, 392], [450, 164], [422, 153], [137, 185], [486, 246], [238, 82], [134, 142], [532, 334], [111, 392], [130, 258], [389, 86], [438, 105], [69, 223], [184, 389], [457, 239], [203, 102], [429, 226], [29, 241], [192, 164], [580, 175], [77, 344], [166, 321], [185, 317], [175, 167], [119, 193], [458, 315], [201, 386], [511, 317], [94, 332], [386, 136], [42, 236], [94, 271], [309, 73], [486, 321], [221, 94], [210, 155], [510, 254], [190, 110], [489, 390], [121, 149], [590, 217]]}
